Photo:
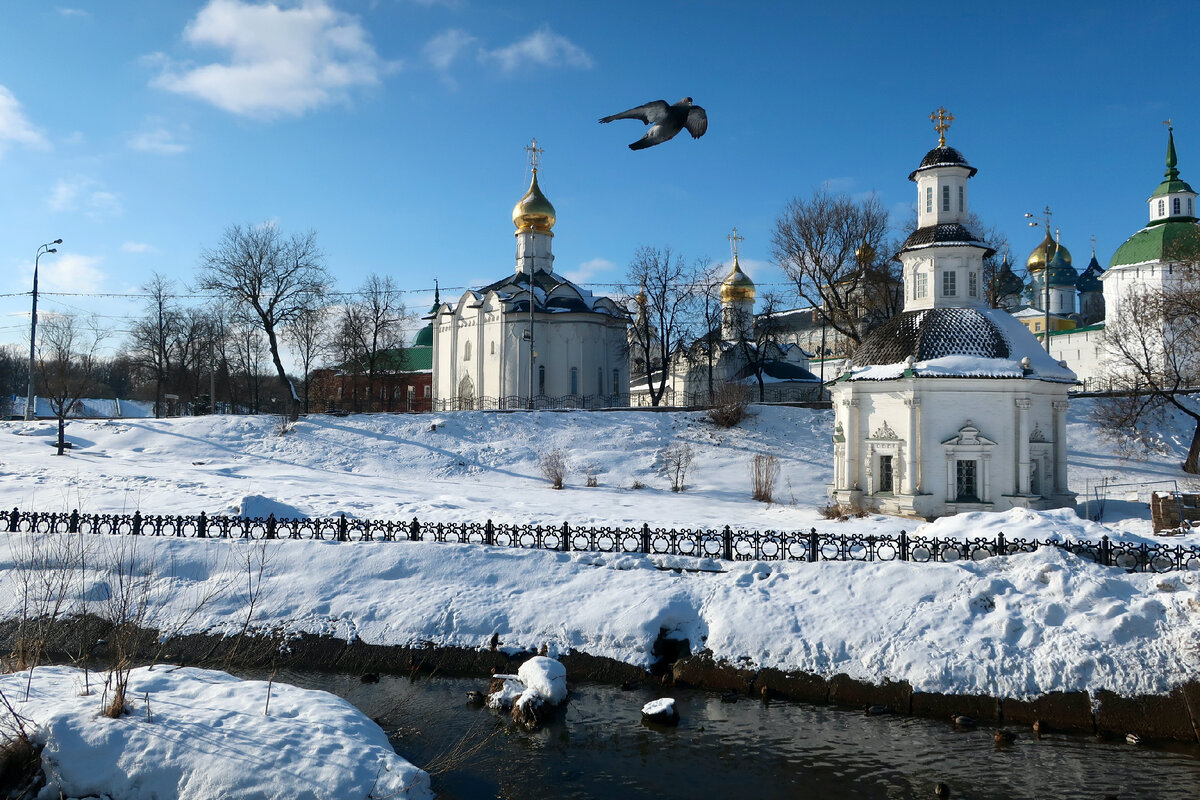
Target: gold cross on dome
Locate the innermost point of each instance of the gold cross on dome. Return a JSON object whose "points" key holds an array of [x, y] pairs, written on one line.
{"points": [[941, 119], [535, 153], [734, 241]]}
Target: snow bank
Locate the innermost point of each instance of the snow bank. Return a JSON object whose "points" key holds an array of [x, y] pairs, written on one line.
{"points": [[1015, 626], [207, 737]]}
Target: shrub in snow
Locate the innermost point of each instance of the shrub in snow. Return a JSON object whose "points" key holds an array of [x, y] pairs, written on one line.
{"points": [[553, 465], [729, 407], [661, 711], [764, 469], [677, 458]]}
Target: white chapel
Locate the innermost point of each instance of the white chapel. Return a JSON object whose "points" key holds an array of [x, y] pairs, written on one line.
{"points": [[532, 334], [951, 405]]}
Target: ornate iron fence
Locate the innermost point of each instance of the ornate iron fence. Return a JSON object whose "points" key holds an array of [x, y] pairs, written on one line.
{"points": [[727, 543]]}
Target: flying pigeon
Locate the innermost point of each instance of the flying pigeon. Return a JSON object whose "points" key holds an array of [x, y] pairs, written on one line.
{"points": [[665, 121]]}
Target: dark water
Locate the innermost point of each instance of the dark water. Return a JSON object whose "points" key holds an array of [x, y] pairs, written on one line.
{"points": [[599, 748]]}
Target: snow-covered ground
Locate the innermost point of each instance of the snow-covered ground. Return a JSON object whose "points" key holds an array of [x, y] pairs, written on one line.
{"points": [[471, 466], [207, 736], [1015, 627]]}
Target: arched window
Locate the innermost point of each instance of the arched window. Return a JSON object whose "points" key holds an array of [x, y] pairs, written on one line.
{"points": [[928, 198], [945, 198], [961, 199], [467, 351], [1175, 205], [493, 348], [1162, 207], [574, 380], [542, 380]]}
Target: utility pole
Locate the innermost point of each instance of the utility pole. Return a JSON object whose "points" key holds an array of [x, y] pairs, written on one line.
{"points": [[46, 248]]}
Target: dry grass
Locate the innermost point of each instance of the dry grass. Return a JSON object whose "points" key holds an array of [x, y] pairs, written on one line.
{"points": [[764, 471], [729, 407], [553, 466], [843, 511]]}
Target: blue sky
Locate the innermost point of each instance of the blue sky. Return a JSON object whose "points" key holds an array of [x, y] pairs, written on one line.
{"points": [[137, 130]]}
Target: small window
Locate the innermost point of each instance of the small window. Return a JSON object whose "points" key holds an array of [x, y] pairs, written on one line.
{"points": [[949, 287], [493, 348], [962, 202], [599, 380], [886, 474], [541, 380], [427, 391], [945, 198], [928, 198], [1175, 205], [574, 380], [922, 284], [616, 381], [973, 284], [467, 352], [965, 481], [1162, 207]]}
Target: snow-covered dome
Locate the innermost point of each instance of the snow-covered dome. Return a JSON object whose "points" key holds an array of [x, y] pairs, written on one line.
{"points": [[942, 156]]}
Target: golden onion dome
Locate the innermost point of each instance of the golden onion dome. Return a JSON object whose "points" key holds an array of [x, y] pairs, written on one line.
{"points": [[533, 212], [1037, 259], [737, 285]]}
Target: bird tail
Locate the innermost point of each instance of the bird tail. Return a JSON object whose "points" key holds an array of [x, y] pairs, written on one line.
{"points": [[641, 144]]}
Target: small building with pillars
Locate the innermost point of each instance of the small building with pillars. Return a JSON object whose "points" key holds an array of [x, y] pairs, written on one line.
{"points": [[951, 405], [532, 338]]}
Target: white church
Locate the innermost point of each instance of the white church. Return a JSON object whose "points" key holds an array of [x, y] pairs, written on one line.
{"points": [[951, 405], [532, 338]]}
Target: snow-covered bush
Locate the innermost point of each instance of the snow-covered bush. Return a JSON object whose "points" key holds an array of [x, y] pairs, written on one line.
{"points": [[553, 464], [676, 459]]}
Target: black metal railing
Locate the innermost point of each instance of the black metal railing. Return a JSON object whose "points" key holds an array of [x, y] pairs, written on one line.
{"points": [[726, 543]]}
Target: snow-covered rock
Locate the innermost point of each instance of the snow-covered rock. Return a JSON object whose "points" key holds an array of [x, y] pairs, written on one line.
{"points": [[661, 711]]}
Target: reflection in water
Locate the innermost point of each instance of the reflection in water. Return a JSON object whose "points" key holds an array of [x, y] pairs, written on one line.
{"points": [[599, 748]]}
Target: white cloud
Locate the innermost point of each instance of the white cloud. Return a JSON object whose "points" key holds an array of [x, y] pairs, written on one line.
{"points": [[73, 12], [159, 140], [14, 126], [68, 272], [280, 60], [444, 49], [542, 48], [84, 194], [138, 247], [588, 270]]}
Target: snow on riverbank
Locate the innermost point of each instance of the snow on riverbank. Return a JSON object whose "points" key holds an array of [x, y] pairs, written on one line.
{"points": [[207, 738], [1016, 626], [472, 466]]}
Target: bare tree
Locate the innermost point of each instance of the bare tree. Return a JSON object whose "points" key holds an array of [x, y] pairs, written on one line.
{"points": [[832, 248], [759, 344], [68, 364], [1152, 344], [667, 291], [273, 277], [371, 327], [308, 335], [154, 337]]}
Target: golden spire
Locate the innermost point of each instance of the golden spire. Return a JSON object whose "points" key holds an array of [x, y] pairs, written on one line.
{"points": [[534, 212], [941, 120]]}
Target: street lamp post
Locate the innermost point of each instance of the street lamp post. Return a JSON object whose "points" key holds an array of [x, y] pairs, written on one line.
{"points": [[46, 248], [1045, 222]]}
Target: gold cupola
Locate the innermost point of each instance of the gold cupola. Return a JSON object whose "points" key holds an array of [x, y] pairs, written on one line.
{"points": [[1037, 259], [737, 285], [533, 212]]}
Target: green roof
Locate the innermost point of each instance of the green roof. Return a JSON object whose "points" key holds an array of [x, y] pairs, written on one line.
{"points": [[1172, 183], [424, 337], [1173, 240]]}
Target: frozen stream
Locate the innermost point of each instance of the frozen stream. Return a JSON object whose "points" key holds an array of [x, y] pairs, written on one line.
{"points": [[599, 748]]}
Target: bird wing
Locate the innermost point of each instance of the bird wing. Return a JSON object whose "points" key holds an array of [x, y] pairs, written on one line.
{"points": [[650, 113], [697, 122]]}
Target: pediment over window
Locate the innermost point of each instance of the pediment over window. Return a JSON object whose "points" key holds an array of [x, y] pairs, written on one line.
{"points": [[968, 436], [884, 431], [1036, 434]]}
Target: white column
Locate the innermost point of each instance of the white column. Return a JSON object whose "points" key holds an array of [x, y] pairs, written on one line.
{"points": [[910, 451], [852, 438], [950, 477], [1060, 445], [1023, 405], [985, 477]]}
